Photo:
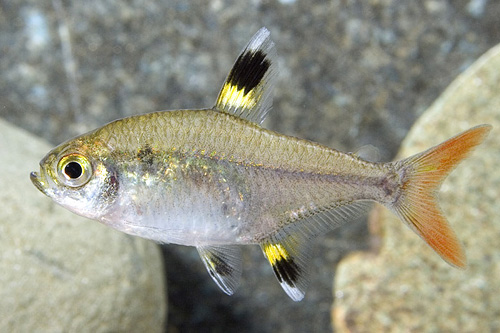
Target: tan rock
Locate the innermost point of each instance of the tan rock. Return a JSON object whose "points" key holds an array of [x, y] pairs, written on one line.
{"points": [[406, 286], [63, 273]]}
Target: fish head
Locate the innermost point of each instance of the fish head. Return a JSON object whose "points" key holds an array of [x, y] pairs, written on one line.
{"points": [[78, 176]]}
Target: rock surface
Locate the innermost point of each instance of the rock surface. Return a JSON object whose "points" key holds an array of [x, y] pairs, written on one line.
{"points": [[406, 286], [64, 273]]}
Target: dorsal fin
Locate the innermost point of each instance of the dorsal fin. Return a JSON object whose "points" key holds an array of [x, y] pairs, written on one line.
{"points": [[223, 263], [246, 93], [288, 251]]}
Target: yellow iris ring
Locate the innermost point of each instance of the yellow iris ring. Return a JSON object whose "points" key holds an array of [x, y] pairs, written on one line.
{"points": [[68, 180]]}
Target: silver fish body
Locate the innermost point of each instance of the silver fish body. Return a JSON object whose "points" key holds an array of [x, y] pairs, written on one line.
{"points": [[215, 179], [184, 182]]}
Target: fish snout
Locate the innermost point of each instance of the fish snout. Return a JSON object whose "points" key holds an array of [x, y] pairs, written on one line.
{"points": [[38, 182]]}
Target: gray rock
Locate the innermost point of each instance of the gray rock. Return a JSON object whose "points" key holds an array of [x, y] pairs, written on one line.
{"points": [[64, 273], [406, 285]]}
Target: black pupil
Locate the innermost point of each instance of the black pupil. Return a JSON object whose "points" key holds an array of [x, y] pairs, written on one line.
{"points": [[73, 170]]}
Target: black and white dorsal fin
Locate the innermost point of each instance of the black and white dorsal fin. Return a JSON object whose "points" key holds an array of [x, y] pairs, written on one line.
{"points": [[223, 263], [246, 93]]}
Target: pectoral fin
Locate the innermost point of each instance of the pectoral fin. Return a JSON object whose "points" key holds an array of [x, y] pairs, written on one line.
{"points": [[223, 264]]}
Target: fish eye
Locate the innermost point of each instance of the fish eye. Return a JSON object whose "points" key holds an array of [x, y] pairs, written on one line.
{"points": [[74, 170]]}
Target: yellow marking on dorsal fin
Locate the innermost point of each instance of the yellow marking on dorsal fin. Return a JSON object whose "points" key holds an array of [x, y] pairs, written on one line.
{"points": [[246, 92], [232, 97]]}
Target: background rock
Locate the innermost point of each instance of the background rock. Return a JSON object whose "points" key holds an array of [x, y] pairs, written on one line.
{"points": [[408, 286], [64, 273], [352, 73]]}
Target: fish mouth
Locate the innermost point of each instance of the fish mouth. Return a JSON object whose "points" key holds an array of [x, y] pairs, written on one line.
{"points": [[39, 182]]}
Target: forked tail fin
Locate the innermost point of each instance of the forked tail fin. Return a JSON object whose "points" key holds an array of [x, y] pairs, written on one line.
{"points": [[422, 176]]}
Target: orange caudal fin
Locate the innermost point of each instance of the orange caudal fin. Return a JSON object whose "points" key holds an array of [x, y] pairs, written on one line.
{"points": [[422, 175]]}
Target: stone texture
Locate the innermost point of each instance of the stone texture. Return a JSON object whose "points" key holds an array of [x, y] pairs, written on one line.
{"points": [[64, 273], [406, 286]]}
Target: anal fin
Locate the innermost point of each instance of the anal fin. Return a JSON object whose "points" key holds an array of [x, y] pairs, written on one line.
{"points": [[289, 257], [289, 249], [223, 263]]}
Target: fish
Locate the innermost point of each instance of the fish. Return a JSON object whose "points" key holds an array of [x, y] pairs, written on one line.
{"points": [[216, 179]]}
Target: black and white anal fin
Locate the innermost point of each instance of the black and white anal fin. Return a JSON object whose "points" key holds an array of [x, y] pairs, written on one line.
{"points": [[289, 257], [289, 250], [246, 93], [223, 263]]}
